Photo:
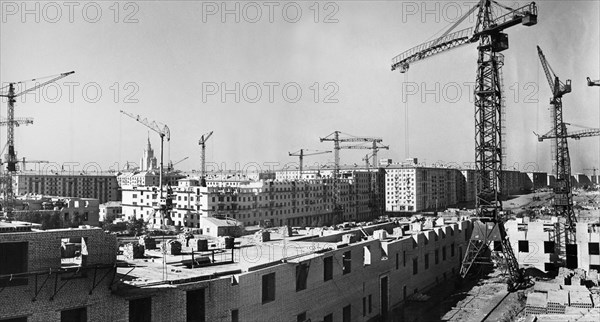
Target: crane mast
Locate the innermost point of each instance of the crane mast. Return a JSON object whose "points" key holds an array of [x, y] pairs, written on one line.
{"points": [[11, 122], [563, 195], [163, 132], [336, 139], [488, 33], [202, 143], [301, 154]]}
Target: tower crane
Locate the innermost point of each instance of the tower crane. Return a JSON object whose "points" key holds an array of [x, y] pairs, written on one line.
{"points": [[593, 82], [336, 139], [563, 195], [31, 161], [488, 32], [17, 121], [374, 148], [301, 154], [163, 132], [172, 164], [11, 122], [202, 143]]}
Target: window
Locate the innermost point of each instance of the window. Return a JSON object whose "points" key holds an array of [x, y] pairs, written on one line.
{"points": [[268, 288], [301, 317], [74, 315], [415, 266], [593, 248], [140, 310], [347, 313], [404, 258], [524, 246], [370, 303], [426, 261], [195, 306], [347, 262], [235, 315], [452, 250], [367, 255], [13, 260], [444, 253], [328, 318], [548, 247], [397, 260], [364, 306], [437, 256], [327, 268], [301, 276]]}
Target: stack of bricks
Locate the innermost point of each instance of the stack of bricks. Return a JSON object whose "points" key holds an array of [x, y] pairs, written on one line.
{"points": [[132, 251], [558, 300], [545, 287], [536, 303], [580, 299]]}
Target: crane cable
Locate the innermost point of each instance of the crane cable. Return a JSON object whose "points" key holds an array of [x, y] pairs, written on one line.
{"points": [[537, 122], [406, 131]]}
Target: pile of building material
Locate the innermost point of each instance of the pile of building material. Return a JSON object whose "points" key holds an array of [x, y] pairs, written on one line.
{"points": [[558, 300], [132, 251], [536, 303], [580, 299], [545, 287]]}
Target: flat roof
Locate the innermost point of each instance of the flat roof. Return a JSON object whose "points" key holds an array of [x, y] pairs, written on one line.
{"points": [[249, 255]]}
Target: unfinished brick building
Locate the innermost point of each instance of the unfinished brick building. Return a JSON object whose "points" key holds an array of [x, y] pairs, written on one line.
{"points": [[65, 275]]}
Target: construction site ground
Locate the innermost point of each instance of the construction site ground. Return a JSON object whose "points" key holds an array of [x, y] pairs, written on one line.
{"points": [[482, 298]]}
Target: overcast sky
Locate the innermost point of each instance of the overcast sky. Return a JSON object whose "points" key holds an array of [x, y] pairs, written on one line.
{"points": [[171, 62]]}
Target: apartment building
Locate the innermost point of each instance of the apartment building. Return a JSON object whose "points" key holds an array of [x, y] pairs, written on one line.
{"points": [[103, 187], [148, 178], [329, 278], [266, 202], [411, 188]]}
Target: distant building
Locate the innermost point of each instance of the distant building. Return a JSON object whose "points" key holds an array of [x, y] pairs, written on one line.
{"points": [[412, 188], [81, 211], [112, 209], [270, 202], [148, 178], [103, 187], [148, 160]]}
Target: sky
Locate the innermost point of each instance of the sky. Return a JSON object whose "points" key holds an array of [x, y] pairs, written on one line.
{"points": [[273, 77]]}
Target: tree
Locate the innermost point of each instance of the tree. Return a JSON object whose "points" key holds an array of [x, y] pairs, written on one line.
{"points": [[136, 227]]}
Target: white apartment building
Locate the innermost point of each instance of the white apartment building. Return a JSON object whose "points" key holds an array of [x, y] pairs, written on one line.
{"points": [[410, 188], [267, 202], [413, 189]]}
